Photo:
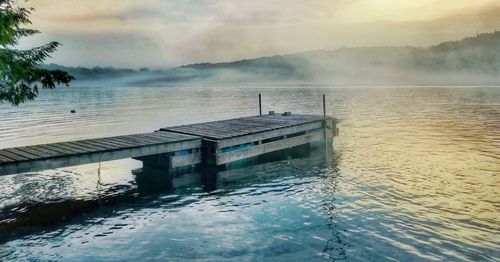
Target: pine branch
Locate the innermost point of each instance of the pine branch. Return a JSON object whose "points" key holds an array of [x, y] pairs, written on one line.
{"points": [[20, 72]]}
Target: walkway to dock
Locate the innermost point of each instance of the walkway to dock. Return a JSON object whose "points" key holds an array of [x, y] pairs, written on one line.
{"points": [[213, 143], [49, 156]]}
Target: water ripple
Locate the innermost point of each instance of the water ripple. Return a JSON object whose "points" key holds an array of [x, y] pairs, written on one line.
{"points": [[414, 176]]}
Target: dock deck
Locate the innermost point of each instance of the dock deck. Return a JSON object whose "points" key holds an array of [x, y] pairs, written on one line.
{"points": [[237, 127], [213, 143], [235, 139]]}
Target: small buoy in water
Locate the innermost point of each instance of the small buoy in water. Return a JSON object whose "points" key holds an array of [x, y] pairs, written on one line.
{"points": [[73, 111]]}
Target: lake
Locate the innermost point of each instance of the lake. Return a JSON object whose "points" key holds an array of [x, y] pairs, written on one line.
{"points": [[414, 175]]}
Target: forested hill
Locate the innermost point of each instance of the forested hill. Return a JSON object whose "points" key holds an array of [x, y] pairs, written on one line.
{"points": [[471, 61]]}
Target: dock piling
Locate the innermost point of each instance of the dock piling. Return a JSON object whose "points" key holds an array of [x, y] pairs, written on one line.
{"points": [[324, 107], [260, 104], [325, 125]]}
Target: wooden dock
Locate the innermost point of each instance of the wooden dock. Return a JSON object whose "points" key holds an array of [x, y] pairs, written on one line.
{"points": [[235, 139], [212, 143]]}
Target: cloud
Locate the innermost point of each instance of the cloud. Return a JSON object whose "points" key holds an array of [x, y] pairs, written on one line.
{"points": [[167, 32]]}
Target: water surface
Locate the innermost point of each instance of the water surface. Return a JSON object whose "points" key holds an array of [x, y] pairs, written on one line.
{"points": [[414, 175]]}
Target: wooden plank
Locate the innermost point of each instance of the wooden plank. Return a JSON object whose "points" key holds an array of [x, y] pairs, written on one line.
{"points": [[256, 123], [90, 148], [54, 150], [154, 139], [209, 131], [46, 152], [172, 136], [293, 119], [191, 131], [5, 159], [33, 151], [185, 160], [266, 135], [279, 118], [143, 139], [271, 122], [232, 156], [115, 143], [73, 146], [232, 129], [194, 132], [285, 122], [262, 119], [178, 136], [80, 145], [228, 128], [98, 146], [51, 147], [206, 130], [165, 136], [135, 141], [65, 146], [116, 140], [221, 127], [294, 116], [103, 144], [13, 156], [138, 141], [169, 137], [129, 142], [22, 153]]}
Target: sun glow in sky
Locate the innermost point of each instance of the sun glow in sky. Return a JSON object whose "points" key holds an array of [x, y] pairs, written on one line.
{"points": [[163, 33]]}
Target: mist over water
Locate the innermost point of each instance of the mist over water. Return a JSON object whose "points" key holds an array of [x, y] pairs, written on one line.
{"points": [[413, 176]]}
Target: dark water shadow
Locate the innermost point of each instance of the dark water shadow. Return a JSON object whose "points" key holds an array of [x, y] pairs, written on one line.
{"points": [[30, 217]]}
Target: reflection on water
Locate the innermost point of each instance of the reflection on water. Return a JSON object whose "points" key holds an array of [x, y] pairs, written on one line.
{"points": [[414, 176]]}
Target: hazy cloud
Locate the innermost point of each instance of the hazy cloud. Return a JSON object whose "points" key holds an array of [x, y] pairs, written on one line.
{"points": [[166, 32]]}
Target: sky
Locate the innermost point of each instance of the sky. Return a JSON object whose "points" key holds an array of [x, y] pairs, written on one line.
{"points": [[167, 33]]}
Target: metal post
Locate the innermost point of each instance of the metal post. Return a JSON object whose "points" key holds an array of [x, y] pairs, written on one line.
{"points": [[324, 108], [260, 105], [325, 137]]}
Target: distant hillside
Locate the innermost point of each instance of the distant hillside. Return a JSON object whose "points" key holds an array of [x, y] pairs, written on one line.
{"points": [[471, 61], [107, 74]]}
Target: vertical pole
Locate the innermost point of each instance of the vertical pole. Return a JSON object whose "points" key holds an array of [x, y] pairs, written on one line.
{"points": [[324, 108], [260, 105], [325, 137]]}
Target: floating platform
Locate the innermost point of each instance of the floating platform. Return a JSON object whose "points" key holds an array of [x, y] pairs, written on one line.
{"points": [[214, 143], [236, 139]]}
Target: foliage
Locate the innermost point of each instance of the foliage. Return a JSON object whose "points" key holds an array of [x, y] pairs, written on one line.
{"points": [[21, 73]]}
